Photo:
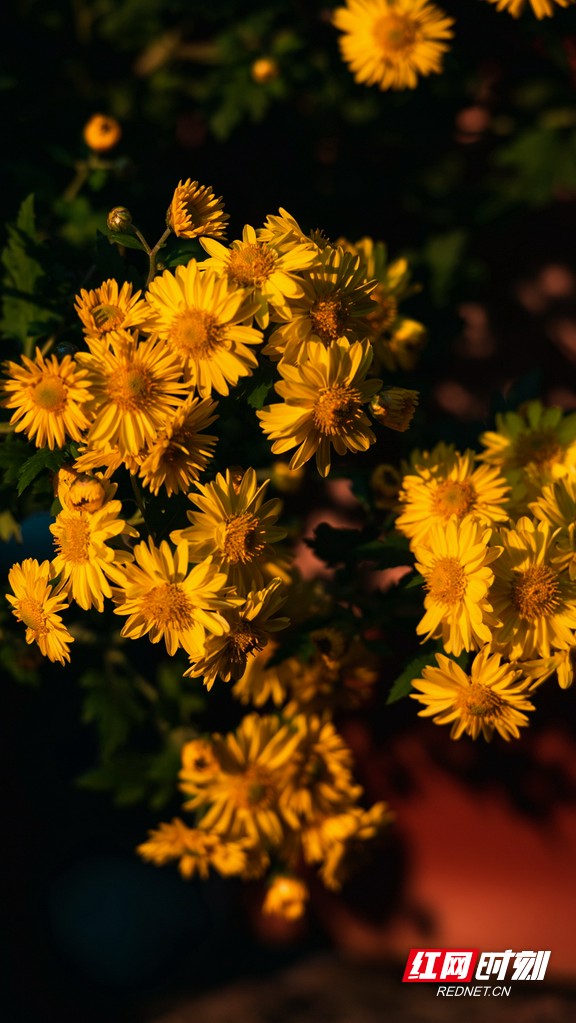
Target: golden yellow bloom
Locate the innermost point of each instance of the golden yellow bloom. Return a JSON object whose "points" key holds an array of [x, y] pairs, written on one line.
{"points": [[286, 897], [166, 601], [199, 765], [36, 602], [250, 629], [181, 450], [269, 275], [541, 8], [557, 505], [110, 308], [452, 488], [236, 527], [195, 850], [491, 698], [394, 407], [49, 398], [83, 556], [455, 564], [102, 133], [339, 841], [322, 407], [532, 446], [242, 801], [562, 664], [401, 349], [80, 491], [263, 681], [196, 211], [319, 777], [135, 387], [283, 232], [532, 596], [335, 303], [390, 43], [207, 325]]}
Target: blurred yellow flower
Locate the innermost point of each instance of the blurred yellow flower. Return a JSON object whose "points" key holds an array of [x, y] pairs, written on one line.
{"points": [[390, 43], [286, 896], [541, 8], [102, 133]]}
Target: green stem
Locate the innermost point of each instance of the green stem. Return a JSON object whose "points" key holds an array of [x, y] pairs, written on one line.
{"points": [[152, 253], [140, 503]]}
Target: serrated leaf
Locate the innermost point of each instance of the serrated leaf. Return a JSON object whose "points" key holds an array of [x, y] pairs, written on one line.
{"points": [[257, 398], [14, 452], [42, 459], [112, 705], [24, 313], [403, 683]]}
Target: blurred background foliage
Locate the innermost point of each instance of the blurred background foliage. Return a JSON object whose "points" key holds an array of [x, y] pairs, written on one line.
{"points": [[472, 176]]}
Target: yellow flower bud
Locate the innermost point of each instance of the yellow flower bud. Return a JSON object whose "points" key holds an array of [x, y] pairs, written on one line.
{"points": [[265, 69], [119, 219], [86, 493], [102, 133], [286, 897], [395, 407]]}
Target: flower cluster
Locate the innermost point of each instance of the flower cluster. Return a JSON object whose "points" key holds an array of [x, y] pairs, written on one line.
{"points": [[493, 538], [128, 417]]}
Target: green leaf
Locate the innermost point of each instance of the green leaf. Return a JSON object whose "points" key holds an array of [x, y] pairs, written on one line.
{"points": [[257, 398], [129, 241], [403, 683], [14, 452], [24, 312], [112, 703], [42, 459]]}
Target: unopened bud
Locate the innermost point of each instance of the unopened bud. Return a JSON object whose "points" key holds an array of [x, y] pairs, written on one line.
{"points": [[87, 493], [119, 219], [265, 69], [395, 407]]}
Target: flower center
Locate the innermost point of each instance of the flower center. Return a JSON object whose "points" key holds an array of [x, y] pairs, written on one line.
{"points": [[252, 264], [329, 318], [168, 607], [197, 333], [74, 540], [481, 701], [244, 538], [454, 498], [539, 446], [254, 789], [536, 592], [130, 388], [336, 409], [394, 34], [50, 394], [32, 614], [385, 312], [447, 581], [107, 317]]}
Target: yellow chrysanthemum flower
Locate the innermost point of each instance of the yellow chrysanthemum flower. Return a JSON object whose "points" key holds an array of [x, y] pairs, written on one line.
{"points": [[49, 398], [135, 387], [339, 674], [286, 896], [207, 324], [336, 301], [199, 765], [455, 562], [166, 601], [562, 664], [450, 489], [181, 450], [541, 8], [36, 601], [195, 850], [283, 232], [195, 211], [84, 558], [242, 801], [397, 341], [322, 407], [235, 527], [390, 43], [268, 274], [557, 505], [251, 626], [264, 679], [531, 595], [532, 446], [319, 777], [109, 308], [491, 698], [338, 841]]}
